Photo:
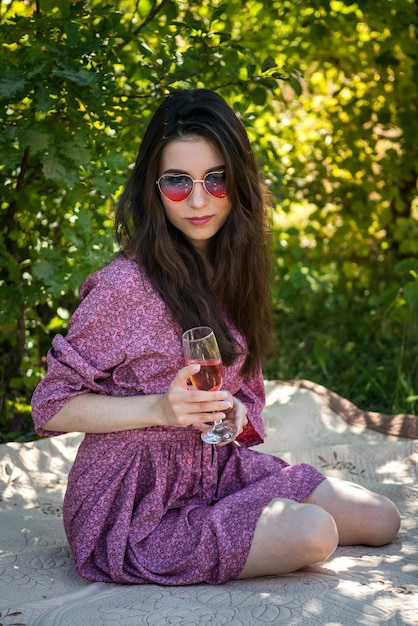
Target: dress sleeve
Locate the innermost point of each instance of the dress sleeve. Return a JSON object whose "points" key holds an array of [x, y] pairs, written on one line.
{"points": [[93, 354], [252, 394]]}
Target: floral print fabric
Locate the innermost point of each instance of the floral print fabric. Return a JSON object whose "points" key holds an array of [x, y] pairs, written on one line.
{"points": [[155, 504]]}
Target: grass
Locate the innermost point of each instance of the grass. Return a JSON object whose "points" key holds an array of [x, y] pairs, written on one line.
{"points": [[346, 313], [351, 357]]}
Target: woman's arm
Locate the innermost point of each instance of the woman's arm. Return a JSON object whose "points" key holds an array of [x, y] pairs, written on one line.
{"points": [[180, 406]]}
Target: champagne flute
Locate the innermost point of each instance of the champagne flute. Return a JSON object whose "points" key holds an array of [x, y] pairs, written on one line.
{"points": [[200, 346]]}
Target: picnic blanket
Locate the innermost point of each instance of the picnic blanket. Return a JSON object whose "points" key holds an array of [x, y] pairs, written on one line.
{"points": [[304, 422]]}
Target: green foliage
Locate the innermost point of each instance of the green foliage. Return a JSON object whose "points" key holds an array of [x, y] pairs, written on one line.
{"points": [[347, 235], [79, 82], [328, 92]]}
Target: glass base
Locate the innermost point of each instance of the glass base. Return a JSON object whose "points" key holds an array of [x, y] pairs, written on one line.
{"points": [[220, 434]]}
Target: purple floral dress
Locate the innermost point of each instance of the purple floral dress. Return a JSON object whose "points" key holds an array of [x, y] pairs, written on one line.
{"points": [[155, 505]]}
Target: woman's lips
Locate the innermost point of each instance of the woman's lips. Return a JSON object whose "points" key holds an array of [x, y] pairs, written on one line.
{"points": [[200, 221]]}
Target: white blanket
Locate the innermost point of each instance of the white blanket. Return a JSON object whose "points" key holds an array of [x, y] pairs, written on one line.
{"points": [[357, 585]]}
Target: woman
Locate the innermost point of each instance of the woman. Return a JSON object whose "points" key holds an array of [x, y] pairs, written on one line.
{"points": [[147, 500]]}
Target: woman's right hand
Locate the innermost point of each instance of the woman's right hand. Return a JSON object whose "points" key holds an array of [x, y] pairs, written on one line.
{"points": [[183, 405]]}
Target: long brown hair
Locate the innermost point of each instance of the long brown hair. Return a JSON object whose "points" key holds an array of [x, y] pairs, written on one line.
{"points": [[239, 251]]}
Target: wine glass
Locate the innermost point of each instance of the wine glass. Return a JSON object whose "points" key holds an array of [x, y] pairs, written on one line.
{"points": [[200, 346]]}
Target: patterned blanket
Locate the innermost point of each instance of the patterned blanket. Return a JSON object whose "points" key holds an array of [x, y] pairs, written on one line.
{"points": [[304, 422]]}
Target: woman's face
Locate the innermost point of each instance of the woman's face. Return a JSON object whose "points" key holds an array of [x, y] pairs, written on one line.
{"points": [[199, 216]]}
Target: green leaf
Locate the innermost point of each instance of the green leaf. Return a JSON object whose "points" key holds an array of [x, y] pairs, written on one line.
{"points": [[41, 99], [268, 64], [259, 96], [117, 161], [36, 139], [43, 269], [12, 84], [410, 292], [251, 68], [77, 153], [406, 266], [296, 85], [54, 169], [82, 78]]}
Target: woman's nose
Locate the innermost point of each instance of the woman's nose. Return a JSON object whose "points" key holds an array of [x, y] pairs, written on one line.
{"points": [[198, 197]]}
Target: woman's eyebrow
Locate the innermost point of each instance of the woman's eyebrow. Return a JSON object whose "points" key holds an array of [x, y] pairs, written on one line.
{"points": [[171, 170]]}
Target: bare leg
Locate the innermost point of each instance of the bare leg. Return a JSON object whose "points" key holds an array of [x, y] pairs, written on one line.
{"points": [[289, 536], [362, 517]]}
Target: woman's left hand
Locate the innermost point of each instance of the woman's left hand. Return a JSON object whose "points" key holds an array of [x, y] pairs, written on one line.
{"points": [[237, 414]]}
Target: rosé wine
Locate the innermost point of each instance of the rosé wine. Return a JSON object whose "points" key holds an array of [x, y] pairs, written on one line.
{"points": [[210, 375]]}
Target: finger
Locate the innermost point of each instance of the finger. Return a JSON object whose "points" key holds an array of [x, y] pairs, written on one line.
{"points": [[208, 418], [196, 405], [243, 420], [184, 374], [203, 426], [207, 400]]}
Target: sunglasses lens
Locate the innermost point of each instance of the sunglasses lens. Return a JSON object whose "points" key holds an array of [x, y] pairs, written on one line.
{"points": [[215, 183], [176, 188]]}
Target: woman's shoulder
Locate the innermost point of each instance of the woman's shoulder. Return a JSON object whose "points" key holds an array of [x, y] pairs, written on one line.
{"points": [[121, 274]]}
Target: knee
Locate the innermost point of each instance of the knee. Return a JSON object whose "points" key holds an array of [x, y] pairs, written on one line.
{"points": [[387, 522], [320, 533]]}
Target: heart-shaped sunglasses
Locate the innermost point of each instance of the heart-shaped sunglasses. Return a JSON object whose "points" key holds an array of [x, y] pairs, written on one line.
{"points": [[178, 187]]}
